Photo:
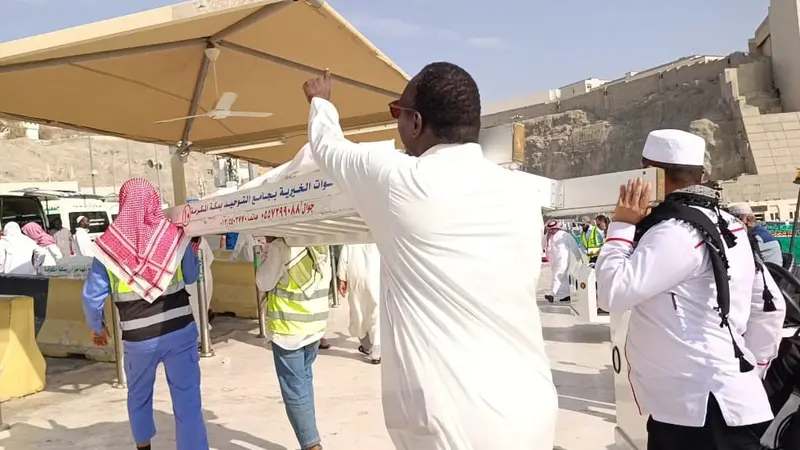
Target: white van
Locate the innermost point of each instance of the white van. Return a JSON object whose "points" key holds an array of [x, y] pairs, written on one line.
{"points": [[112, 207], [69, 205]]}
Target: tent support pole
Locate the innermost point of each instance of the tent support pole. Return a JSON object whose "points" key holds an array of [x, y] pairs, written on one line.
{"points": [[77, 59], [304, 68], [178, 177], [202, 74]]}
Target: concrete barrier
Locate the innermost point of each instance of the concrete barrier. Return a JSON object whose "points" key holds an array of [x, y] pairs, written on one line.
{"points": [[64, 331], [22, 366], [234, 289]]}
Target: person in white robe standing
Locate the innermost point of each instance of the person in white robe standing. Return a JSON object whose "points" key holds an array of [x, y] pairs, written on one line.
{"points": [[563, 251], [19, 254], [83, 245], [194, 297], [359, 274], [463, 364], [62, 236]]}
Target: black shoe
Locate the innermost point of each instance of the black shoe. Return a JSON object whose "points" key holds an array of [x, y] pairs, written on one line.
{"points": [[600, 312], [565, 299], [549, 298], [324, 346], [375, 361], [363, 350]]}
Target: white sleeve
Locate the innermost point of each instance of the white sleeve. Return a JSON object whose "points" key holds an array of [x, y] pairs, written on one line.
{"points": [[39, 255], [341, 268], [361, 170], [763, 335], [273, 267], [663, 258]]}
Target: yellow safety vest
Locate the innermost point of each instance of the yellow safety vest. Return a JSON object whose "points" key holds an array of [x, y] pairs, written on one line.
{"points": [[123, 293], [300, 307], [590, 243]]}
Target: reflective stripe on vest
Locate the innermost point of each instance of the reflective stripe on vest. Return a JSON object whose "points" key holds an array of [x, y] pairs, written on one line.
{"points": [[136, 324], [590, 244], [124, 296], [124, 293], [300, 307]]}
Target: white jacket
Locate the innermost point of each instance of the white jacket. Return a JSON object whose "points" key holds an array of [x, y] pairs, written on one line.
{"points": [[676, 350], [460, 242]]}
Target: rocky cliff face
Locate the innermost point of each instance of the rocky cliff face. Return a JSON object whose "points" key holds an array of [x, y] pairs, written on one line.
{"points": [[580, 143], [115, 160]]}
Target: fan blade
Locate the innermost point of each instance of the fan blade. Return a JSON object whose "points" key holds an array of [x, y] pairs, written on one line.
{"points": [[181, 118], [248, 114], [226, 101]]}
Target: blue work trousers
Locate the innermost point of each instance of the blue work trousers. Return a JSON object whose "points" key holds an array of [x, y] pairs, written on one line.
{"points": [[178, 351], [297, 389]]}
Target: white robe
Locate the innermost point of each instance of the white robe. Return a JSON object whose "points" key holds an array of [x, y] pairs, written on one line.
{"points": [[194, 298], [52, 254], [243, 250], [360, 268], [19, 254], [83, 243], [63, 240], [463, 362], [562, 250]]}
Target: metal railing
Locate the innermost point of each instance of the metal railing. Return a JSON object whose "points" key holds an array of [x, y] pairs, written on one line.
{"points": [[261, 299]]}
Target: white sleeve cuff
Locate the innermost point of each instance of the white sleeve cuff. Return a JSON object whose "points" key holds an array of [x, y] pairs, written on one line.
{"points": [[620, 231]]}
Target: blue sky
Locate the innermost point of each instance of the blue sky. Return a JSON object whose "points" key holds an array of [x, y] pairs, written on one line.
{"points": [[512, 47]]}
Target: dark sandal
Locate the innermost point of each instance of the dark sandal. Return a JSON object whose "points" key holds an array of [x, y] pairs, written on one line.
{"points": [[361, 349]]}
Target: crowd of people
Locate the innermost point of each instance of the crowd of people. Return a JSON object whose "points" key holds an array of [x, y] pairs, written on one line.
{"points": [[457, 294], [24, 250]]}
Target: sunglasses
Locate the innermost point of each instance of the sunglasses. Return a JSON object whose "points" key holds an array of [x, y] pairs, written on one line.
{"points": [[395, 109]]}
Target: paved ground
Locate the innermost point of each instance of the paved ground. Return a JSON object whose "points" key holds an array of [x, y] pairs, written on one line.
{"points": [[80, 410]]}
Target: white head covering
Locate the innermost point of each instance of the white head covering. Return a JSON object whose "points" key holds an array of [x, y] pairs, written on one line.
{"points": [[12, 234], [740, 209], [79, 219], [675, 147]]}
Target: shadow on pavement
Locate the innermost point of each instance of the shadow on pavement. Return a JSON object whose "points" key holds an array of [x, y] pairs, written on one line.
{"points": [[578, 334], [591, 394], [117, 436]]}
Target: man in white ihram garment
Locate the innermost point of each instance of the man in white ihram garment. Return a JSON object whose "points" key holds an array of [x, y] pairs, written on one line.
{"points": [[359, 273], [703, 329], [463, 364], [563, 251], [83, 245]]}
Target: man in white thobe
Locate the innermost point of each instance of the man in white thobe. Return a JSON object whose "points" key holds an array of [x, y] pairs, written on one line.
{"points": [[700, 332], [359, 273], [463, 364], [83, 245], [563, 251], [62, 236]]}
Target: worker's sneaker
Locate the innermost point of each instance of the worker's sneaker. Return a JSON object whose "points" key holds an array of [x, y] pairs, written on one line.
{"points": [[550, 298], [565, 299]]}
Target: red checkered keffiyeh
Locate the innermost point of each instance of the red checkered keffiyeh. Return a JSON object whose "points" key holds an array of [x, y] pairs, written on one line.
{"points": [[142, 247]]}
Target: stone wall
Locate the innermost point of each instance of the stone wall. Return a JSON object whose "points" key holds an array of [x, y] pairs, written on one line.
{"points": [[604, 130]]}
